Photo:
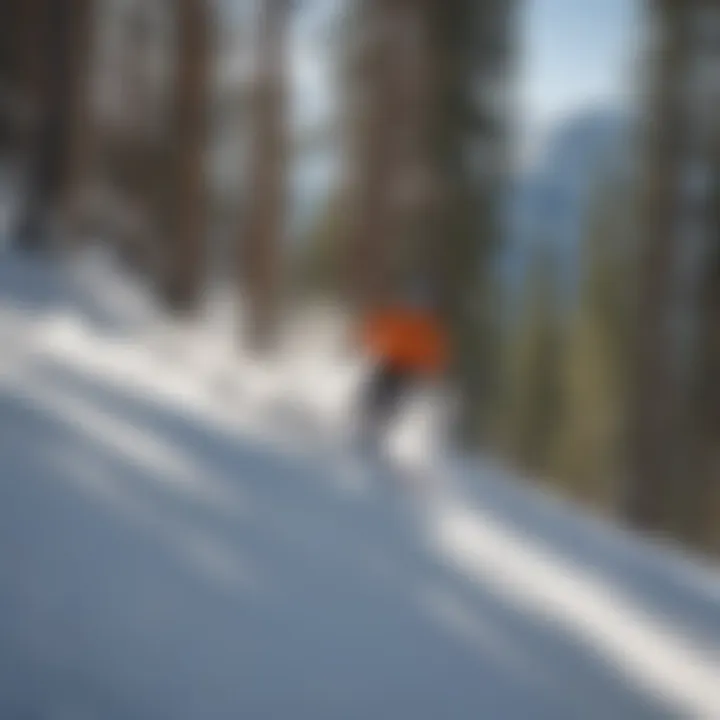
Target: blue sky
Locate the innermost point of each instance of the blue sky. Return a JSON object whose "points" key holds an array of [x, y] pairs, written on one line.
{"points": [[576, 53]]}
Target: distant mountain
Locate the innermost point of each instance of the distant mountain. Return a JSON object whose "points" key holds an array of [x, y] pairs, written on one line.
{"points": [[550, 202]]}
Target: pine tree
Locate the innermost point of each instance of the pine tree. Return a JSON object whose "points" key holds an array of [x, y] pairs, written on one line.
{"points": [[23, 71], [186, 251], [371, 76], [703, 522], [474, 49], [588, 455], [673, 470], [658, 443], [79, 127], [320, 256], [532, 392], [56, 79], [265, 219], [454, 178], [427, 189]]}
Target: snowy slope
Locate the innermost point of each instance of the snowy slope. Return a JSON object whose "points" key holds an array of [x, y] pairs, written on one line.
{"points": [[185, 533]]}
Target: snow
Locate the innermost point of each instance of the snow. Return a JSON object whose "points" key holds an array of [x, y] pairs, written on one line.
{"points": [[187, 532]]}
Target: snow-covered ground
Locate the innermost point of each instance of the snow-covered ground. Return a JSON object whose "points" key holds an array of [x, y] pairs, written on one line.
{"points": [[185, 533]]}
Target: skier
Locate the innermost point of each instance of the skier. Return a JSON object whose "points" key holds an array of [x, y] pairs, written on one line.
{"points": [[407, 345]]}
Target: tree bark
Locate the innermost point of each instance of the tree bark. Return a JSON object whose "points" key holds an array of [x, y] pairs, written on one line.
{"points": [[657, 453], [24, 70], [78, 138], [185, 256], [261, 245], [704, 518], [56, 65], [464, 137], [375, 120]]}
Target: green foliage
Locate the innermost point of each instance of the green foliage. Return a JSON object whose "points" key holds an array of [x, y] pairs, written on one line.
{"points": [[566, 388], [532, 391], [320, 255], [704, 506], [587, 455], [472, 42]]}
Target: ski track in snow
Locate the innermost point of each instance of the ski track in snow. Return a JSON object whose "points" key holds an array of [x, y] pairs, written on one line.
{"points": [[187, 534]]}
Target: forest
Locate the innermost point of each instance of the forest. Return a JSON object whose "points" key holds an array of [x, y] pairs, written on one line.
{"points": [[168, 131]]}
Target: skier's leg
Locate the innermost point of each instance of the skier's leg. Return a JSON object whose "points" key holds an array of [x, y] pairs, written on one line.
{"points": [[386, 394], [370, 410]]}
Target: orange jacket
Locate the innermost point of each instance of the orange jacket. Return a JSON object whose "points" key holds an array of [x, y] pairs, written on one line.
{"points": [[410, 339]]}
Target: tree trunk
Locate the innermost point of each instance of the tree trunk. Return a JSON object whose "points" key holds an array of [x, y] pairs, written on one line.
{"points": [[185, 258], [373, 123], [704, 518], [23, 71], [262, 244], [79, 136], [421, 217], [469, 47], [56, 74], [47, 71], [658, 456]]}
